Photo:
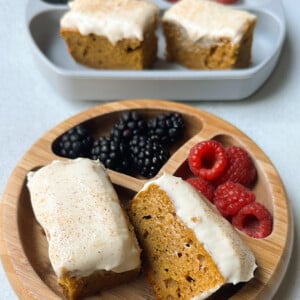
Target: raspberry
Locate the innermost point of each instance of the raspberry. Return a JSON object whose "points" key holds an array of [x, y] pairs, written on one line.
{"points": [[254, 219], [203, 187], [208, 159], [230, 197], [241, 168]]}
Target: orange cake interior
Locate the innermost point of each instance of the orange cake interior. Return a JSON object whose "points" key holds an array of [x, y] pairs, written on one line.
{"points": [[186, 243], [177, 264]]}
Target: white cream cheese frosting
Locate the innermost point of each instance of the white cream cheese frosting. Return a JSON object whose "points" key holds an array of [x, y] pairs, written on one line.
{"points": [[79, 210], [114, 19], [232, 256], [208, 21]]}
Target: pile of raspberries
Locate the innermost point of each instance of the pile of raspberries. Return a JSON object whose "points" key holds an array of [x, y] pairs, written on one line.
{"points": [[225, 176]]}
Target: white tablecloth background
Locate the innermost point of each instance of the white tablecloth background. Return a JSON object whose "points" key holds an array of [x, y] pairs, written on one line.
{"points": [[271, 117]]}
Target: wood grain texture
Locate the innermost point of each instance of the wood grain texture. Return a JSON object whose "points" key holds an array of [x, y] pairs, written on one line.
{"points": [[23, 246]]}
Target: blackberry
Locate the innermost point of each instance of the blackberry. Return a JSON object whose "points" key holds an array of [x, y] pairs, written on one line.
{"points": [[166, 128], [147, 156], [130, 124], [113, 154], [76, 142]]}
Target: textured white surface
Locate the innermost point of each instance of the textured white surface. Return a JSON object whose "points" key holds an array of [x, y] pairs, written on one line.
{"points": [[208, 21], [75, 203], [271, 117], [115, 19]]}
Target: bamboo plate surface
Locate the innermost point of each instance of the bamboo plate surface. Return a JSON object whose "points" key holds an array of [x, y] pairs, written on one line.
{"points": [[23, 246]]}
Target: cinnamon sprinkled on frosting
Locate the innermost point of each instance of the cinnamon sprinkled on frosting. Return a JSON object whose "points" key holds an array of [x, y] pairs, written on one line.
{"points": [[79, 210], [114, 19]]}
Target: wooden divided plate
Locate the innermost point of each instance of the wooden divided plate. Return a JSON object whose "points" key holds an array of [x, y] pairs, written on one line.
{"points": [[24, 247]]}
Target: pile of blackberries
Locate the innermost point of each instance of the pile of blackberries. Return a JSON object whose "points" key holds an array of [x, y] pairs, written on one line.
{"points": [[134, 146]]}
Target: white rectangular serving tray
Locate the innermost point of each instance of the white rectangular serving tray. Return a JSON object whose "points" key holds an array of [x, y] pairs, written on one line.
{"points": [[166, 80]]}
